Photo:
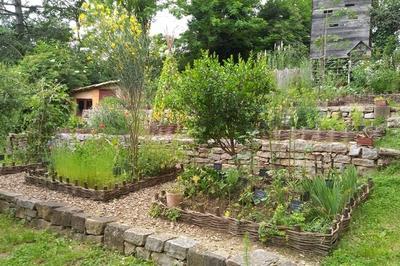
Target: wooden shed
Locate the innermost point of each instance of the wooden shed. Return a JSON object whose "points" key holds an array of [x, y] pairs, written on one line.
{"points": [[90, 96], [339, 27]]}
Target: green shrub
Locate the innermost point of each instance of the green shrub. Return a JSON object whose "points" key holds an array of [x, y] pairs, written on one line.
{"points": [[357, 119], [154, 158], [210, 182], [109, 117], [332, 123], [223, 102]]}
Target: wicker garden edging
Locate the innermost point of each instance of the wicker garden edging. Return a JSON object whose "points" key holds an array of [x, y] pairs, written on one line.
{"points": [[104, 194], [8, 170], [316, 243]]}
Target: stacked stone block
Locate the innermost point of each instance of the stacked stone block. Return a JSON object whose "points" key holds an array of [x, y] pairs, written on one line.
{"points": [[163, 248]]}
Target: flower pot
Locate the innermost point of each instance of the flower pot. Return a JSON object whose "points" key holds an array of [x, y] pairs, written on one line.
{"points": [[381, 102], [174, 199], [365, 141]]}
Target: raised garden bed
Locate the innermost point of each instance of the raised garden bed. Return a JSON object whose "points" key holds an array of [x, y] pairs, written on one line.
{"points": [[39, 178], [321, 135], [316, 243], [8, 170]]}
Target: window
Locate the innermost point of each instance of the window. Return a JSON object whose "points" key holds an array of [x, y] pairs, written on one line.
{"points": [[334, 25], [83, 104], [349, 5], [328, 11]]}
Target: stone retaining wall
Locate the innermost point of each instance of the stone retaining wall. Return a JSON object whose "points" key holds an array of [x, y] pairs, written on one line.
{"points": [[163, 248], [369, 112], [315, 157], [302, 154]]}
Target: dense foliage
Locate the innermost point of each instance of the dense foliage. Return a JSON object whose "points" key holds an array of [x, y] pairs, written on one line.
{"points": [[105, 161], [109, 117], [223, 102]]}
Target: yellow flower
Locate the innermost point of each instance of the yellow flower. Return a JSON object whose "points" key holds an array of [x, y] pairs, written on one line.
{"points": [[196, 179], [227, 214]]}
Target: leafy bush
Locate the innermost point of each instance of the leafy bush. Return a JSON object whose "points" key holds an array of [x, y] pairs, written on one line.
{"points": [[332, 123], [48, 108], [109, 117], [209, 182], [377, 76], [223, 102], [154, 158]]}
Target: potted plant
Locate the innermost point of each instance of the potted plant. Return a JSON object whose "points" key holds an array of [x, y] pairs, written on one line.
{"points": [[380, 101], [174, 195]]}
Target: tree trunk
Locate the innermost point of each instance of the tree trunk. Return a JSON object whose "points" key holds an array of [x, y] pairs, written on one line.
{"points": [[19, 17]]}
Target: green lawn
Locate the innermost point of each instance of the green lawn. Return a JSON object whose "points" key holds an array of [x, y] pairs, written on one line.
{"points": [[20, 245], [390, 140], [374, 237]]}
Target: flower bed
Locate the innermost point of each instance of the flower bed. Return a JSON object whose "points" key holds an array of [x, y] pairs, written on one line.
{"points": [[316, 243], [39, 178], [8, 170]]}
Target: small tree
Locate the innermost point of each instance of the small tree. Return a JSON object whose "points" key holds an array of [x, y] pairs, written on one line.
{"points": [[120, 38], [224, 103], [48, 108]]}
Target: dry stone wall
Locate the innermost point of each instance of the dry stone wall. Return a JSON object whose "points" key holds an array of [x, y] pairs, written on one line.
{"points": [[309, 155], [164, 248], [369, 112], [313, 156]]}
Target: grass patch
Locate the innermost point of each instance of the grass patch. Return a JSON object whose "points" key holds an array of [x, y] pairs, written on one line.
{"points": [[375, 231], [20, 245], [390, 140]]}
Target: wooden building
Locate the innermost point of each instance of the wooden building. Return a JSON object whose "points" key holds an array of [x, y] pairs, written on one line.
{"points": [[90, 96], [340, 29]]}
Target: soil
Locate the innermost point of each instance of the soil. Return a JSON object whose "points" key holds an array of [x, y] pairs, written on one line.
{"points": [[133, 209]]}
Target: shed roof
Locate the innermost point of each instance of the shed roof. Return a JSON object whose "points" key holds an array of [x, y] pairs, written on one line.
{"points": [[102, 85]]}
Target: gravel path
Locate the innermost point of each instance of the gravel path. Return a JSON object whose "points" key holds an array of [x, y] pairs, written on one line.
{"points": [[133, 210]]}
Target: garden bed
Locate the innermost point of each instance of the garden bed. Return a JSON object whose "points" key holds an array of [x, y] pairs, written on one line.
{"points": [[8, 170], [38, 178], [310, 242]]}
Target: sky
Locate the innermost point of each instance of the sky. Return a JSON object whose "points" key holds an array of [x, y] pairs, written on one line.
{"points": [[164, 22]]}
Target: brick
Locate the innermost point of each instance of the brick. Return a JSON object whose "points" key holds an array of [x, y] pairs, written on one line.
{"points": [[137, 236], [78, 221], [62, 216], [114, 236], [129, 249], [45, 209], [162, 259], [96, 225], [143, 253], [178, 247], [156, 242]]}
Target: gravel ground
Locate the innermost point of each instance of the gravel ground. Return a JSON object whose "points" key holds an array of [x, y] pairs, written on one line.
{"points": [[133, 210]]}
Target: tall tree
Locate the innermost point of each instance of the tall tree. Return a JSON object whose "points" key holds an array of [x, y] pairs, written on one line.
{"points": [[385, 20], [224, 27], [288, 22]]}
